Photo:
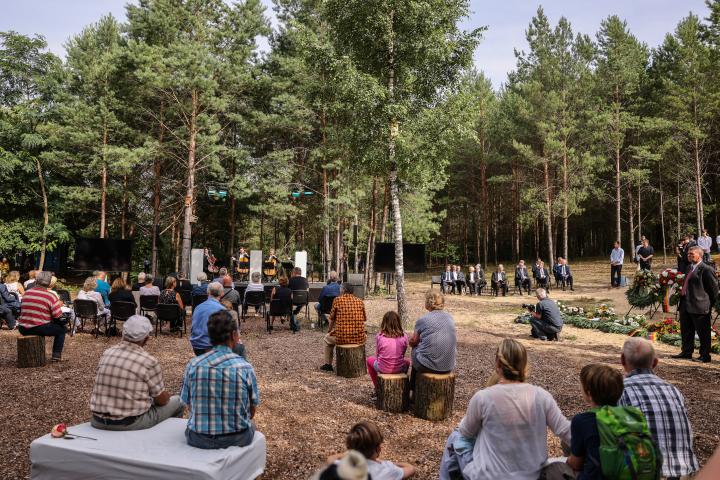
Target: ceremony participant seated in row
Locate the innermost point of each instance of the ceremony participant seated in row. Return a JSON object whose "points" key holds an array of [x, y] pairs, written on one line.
{"points": [[220, 390], [149, 289], [13, 285], [546, 321], [459, 280], [447, 280], [202, 286], [601, 385], [120, 293], [434, 341], [140, 282], [562, 273], [223, 278], [347, 324], [298, 283], [391, 344], [170, 296], [40, 311], [9, 307], [30, 282], [89, 292], [129, 392], [617, 257], [541, 274], [331, 289], [103, 287], [663, 406], [498, 281], [231, 308], [199, 338], [522, 278], [233, 296], [645, 255], [472, 281], [255, 285], [504, 431], [366, 438], [284, 294]]}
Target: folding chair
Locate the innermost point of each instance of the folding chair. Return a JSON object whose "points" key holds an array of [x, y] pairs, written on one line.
{"points": [[148, 303], [301, 298], [169, 312], [88, 310], [326, 304], [256, 300], [197, 300], [278, 308], [120, 311], [64, 296]]}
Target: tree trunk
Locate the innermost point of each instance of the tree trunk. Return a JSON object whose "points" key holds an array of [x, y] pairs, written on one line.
{"points": [[631, 218], [485, 210], [350, 360], [434, 395], [157, 172], [618, 193], [662, 217], [548, 213], [232, 222], [123, 213], [103, 185], [698, 190], [31, 351], [190, 192], [638, 215], [383, 224], [392, 392], [46, 213], [371, 235], [566, 200]]}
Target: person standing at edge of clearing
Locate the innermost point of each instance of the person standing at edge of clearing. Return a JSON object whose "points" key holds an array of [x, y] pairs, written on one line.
{"points": [[617, 257]]}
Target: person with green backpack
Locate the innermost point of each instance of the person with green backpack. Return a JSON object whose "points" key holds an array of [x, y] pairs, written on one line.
{"points": [[610, 442]]}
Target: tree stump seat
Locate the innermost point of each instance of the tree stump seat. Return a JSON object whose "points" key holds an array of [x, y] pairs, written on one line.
{"points": [[392, 392], [350, 360], [31, 351], [434, 395]]}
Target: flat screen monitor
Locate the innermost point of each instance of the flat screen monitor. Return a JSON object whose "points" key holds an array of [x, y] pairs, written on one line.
{"points": [[413, 257], [103, 254]]}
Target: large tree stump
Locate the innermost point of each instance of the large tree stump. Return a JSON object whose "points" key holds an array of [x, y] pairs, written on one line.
{"points": [[392, 392], [350, 360], [31, 351], [434, 395]]}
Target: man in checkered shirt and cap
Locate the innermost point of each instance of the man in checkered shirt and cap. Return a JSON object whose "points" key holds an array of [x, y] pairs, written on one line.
{"points": [[347, 324], [663, 406], [129, 393]]}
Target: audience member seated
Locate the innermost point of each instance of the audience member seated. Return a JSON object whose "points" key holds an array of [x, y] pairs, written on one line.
{"points": [[231, 308], [459, 280], [30, 282], [103, 287], [140, 282], [89, 292], [447, 280], [223, 278], [481, 277], [149, 288], [366, 438], [498, 281], [12, 282], [434, 341], [232, 296], [562, 273], [602, 386], [391, 344], [220, 390], [546, 319], [129, 393], [284, 294], [296, 283], [541, 274], [170, 296], [663, 406], [199, 339], [202, 286], [332, 289], [9, 307], [522, 279], [504, 431], [120, 293], [40, 313], [68, 311], [472, 280], [255, 285], [347, 324]]}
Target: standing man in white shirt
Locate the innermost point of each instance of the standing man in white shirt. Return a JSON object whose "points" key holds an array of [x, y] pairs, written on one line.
{"points": [[617, 256], [705, 242]]}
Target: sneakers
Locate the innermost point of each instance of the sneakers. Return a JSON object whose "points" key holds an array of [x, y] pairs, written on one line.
{"points": [[56, 359], [326, 368]]}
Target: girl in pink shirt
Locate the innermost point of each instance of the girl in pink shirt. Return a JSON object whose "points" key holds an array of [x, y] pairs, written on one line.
{"points": [[390, 351]]}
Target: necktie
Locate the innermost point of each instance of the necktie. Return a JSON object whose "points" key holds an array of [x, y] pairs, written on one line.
{"points": [[686, 282]]}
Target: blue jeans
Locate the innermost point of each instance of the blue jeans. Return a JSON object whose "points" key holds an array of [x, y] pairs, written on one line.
{"points": [[48, 330], [7, 314], [238, 349], [211, 442], [457, 454]]}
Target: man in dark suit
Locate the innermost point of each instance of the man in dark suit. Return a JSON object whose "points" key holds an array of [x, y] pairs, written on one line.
{"points": [[697, 298], [459, 279], [522, 279], [447, 281], [562, 273], [682, 250], [9, 307], [541, 274], [498, 281]]}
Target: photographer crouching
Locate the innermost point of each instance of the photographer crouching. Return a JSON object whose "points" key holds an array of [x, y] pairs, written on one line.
{"points": [[546, 319]]}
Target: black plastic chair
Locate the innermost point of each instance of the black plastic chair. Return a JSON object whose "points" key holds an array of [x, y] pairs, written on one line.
{"points": [[268, 289], [148, 303], [64, 296], [278, 308], [256, 300], [301, 297], [170, 312], [120, 312], [88, 310], [197, 300], [326, 304], [185, 296]]}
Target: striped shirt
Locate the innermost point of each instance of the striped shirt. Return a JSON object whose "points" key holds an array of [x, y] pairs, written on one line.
{"points": [[348, 315], [664, 408], [39, 306], [219, 386]]}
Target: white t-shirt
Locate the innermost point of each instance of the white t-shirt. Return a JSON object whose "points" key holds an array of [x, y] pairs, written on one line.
{"points": [[509, 423], [384, 470]]}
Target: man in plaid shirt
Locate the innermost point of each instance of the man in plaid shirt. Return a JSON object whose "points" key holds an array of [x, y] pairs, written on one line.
{"points": [[663, 406], [347, 324], [221, 390]]}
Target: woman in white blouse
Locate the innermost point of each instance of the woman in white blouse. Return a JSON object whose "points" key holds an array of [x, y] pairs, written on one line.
{"points": [[88, 293], [504, 431]]}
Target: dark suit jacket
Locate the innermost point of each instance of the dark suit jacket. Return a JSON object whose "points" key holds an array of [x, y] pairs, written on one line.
{"points": [[499, 277], [460, 276], [702, 290], [6, 298], [446, 277], [556, 268], [520, 273], [536, 273]]}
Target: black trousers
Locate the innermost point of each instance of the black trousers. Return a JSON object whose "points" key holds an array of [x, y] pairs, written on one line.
{"points": [[48, 330], [690, 324], [459, 286], [524, 285], [448, 288], [418, 368], [540, 329], [615, 275]]}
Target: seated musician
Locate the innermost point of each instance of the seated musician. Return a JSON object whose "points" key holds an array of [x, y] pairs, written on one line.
{"points": [[459, 279], [243, 263], [562, 273], [498, 281], [542, 275], [447, 280], [522, 279], [270, 269]]}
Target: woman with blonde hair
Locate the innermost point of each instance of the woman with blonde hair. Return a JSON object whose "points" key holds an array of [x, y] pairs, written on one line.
{"points": [[434, 341], [504, 431], [88, 293], [13, 285]]}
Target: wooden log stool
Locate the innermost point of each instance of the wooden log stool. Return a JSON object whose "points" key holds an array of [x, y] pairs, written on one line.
{"points": [[392, 392], [434, 395], [350, 360], [31, 351]]}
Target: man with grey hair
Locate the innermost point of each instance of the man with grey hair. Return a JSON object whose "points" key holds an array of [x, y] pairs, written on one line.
{"points": [[697, 298], [129, 392], [199, 338], [332, 289], [546, 319], [40, 312], [663, 406], [202, 286]]}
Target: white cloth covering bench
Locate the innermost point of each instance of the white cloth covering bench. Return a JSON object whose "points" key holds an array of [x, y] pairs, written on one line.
{"points": [[159, 453]]}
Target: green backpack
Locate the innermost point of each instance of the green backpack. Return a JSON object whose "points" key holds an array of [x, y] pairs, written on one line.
{"points": [[627, 450]]}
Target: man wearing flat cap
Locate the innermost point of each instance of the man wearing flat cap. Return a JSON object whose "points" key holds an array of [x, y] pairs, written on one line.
{"points": [[129, 393]]}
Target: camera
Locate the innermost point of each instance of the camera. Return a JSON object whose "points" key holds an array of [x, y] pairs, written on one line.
{"points": [[529, 306]]}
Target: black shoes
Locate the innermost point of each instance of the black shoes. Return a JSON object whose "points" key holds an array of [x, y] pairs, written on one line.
{"points": [[701, 360], [326, 368], [681, 355]]}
